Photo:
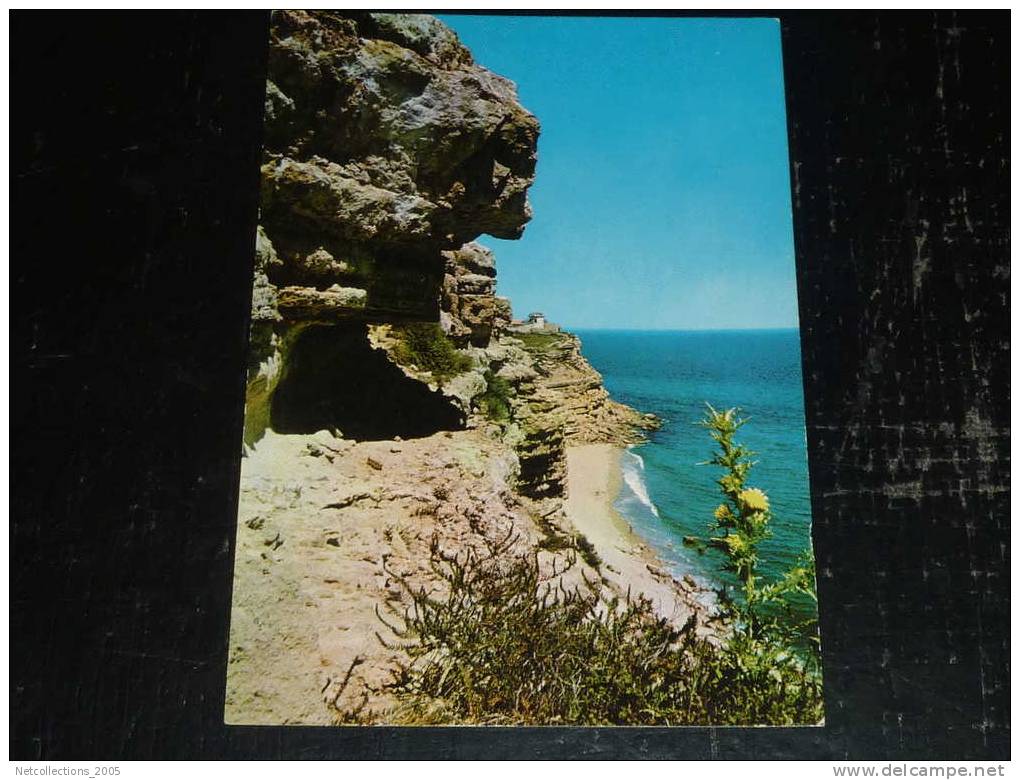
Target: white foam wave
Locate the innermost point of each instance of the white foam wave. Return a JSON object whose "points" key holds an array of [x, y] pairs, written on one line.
{"points": [[633, 466]]}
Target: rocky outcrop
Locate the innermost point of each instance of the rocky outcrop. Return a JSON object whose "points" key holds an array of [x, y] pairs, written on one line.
{"points": [[319, 547], [557, 400], [387, 151], [468, 301], [385, 145], [571, 390]]}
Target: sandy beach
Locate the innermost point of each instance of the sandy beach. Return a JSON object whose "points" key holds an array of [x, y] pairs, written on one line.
{"points": [[594, 480]]}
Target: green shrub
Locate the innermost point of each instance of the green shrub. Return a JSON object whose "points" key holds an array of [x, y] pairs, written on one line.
{"points": [[501, 643], [555, 540], [425, 346], [587, 550], [495, 401], [505, 644]]}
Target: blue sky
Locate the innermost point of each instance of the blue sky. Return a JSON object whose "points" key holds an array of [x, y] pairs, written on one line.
{"points": [[662, 197]]}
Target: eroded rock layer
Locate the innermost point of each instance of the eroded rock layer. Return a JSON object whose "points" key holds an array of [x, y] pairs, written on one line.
{"points": [[388, 150], [385, 145]]}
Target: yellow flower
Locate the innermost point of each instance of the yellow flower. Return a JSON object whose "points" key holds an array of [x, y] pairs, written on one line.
{"points": [[754, 499], [722, 512], [728, 483]]}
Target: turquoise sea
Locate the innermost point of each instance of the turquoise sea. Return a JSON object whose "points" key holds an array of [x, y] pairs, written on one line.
{"points": [[667, 495]]}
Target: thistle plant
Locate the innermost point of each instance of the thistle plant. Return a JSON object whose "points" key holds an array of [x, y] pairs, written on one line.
{"points": [[740, 523], [742, 520]]}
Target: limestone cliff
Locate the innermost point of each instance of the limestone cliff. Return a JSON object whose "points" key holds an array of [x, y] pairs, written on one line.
{"points": [[387, 149], [389, 404], [559, 401], [385, 146]]}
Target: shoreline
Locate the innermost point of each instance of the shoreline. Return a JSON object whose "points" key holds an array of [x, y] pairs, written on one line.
{"points": [[594, 481]]}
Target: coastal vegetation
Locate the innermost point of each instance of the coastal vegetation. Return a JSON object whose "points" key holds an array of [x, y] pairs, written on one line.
{"points": [[425, 346], [495, 401], [540, 342], [760, 611], [556, 540], [503, 641]]}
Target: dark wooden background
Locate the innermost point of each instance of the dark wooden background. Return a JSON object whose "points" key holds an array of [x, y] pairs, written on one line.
{"points": [[135, 147]]}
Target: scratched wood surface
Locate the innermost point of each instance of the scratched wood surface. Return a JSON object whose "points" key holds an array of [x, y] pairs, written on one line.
{"points": [[135, 147]]}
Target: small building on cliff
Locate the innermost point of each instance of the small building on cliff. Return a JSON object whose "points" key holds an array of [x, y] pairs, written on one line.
{"points": [[536, 323]]}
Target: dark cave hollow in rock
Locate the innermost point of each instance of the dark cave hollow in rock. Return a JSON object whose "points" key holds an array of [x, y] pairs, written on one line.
{"points": [[335, 380]]}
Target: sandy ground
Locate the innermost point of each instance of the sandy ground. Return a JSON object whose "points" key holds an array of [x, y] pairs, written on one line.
{"points": [[593, 483], [323, 524]]}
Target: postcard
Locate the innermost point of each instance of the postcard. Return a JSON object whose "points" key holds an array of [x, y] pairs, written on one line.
{"points": [[524, 434]]}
